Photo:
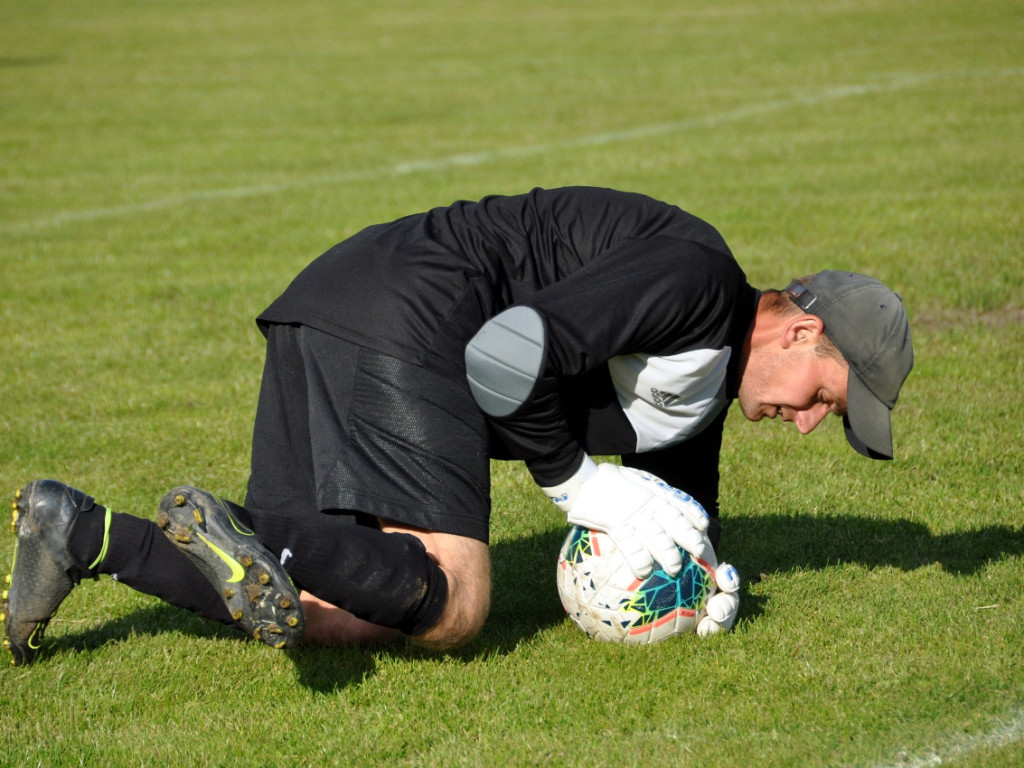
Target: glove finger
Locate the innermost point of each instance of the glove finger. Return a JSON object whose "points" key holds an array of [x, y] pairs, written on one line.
{"points": [[708, 626], [722, 608], [690, 507], [660, 545], [679, 499], [671, 519], [633, 551], [685, 535], [727, 578], [699, 546]]}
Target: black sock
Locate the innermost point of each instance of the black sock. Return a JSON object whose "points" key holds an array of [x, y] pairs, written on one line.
{"points": [[86, 538], [136, 553], [384, 578]]}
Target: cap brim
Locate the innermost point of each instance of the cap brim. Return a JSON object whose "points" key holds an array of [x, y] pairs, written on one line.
{"points": [[868, 428]]}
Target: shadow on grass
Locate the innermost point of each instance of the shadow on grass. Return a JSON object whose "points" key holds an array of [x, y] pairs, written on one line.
{"points": [[766, 544], [323, 669], [152, 620], [778, 543], [525, 601]]}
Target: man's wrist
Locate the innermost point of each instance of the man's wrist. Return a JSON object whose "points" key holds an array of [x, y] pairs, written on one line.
{"points": [[565, 493]]}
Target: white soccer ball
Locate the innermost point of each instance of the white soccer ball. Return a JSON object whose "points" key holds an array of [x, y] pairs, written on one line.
{"points": [[604, 599]]}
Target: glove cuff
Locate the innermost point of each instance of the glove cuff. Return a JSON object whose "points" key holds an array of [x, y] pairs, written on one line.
{"points": [[565, 493]]}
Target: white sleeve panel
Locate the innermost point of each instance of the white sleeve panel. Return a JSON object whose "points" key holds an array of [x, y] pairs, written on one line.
{"points": [[668, 399]]}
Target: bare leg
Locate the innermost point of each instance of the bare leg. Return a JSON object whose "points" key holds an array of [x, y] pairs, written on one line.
{"points": [[329, 625], [466, 564]]}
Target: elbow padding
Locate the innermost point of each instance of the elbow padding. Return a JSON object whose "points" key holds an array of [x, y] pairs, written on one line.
{"points": [[504, 360]]}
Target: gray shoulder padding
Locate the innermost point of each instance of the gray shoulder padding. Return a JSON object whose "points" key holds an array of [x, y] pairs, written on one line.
{"points": [[504, 359]]}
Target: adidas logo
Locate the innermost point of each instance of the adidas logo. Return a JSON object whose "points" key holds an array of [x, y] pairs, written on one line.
{"points": [[663, 399]]}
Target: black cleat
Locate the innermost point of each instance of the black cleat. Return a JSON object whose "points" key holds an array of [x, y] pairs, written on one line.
{"points": [[254, 586], [42, 572]]}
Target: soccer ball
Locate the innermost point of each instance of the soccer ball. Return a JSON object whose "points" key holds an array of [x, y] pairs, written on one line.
{"points": [[604, 599]]}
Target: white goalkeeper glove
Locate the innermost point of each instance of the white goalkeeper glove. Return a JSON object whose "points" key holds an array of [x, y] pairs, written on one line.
{"points": [[645, 517], [722, 606]]}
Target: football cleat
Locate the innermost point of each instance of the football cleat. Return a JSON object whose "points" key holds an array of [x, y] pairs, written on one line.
{"points": [[42, 572], [255, 588]]}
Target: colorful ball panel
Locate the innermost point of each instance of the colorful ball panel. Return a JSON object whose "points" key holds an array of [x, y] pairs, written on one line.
{"points": [[605, 600]]}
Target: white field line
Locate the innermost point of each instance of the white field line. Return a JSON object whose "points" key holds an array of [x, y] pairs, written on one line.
{"points": [[810, 98], [1009, 730]]}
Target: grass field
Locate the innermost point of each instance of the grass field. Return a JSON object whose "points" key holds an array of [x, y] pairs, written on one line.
{"points": [[167, 167]]}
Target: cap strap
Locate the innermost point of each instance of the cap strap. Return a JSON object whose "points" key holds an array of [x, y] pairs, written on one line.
{"points": [[802, 297]]}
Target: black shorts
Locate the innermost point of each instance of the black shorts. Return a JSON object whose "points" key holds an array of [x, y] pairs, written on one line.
{"points": [[341, 428]]}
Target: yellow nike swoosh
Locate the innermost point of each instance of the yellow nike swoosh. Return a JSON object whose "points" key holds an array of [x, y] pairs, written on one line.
{"points": [[237, 571], [35, 646]]}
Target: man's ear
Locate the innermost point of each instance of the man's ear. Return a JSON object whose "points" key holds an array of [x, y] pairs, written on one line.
{"points": [[802, 329]]}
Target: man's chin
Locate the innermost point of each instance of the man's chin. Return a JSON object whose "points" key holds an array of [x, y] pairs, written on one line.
{"points": [[752, 413]]}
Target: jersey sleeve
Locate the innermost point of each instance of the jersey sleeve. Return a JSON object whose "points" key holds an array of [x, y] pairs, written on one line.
{"points": [[658, 296]]}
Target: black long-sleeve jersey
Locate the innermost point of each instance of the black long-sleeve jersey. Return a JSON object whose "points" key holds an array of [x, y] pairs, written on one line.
{"points": [[643, 305]]}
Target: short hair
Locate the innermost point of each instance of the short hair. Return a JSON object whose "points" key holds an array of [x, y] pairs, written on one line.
{"points": [[780, 303]]}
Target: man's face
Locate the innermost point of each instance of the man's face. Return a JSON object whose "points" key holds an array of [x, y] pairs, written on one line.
{"points": [[795, 383]]}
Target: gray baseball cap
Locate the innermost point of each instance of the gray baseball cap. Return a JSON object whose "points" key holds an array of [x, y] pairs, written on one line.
{"points": [[867, 323]]}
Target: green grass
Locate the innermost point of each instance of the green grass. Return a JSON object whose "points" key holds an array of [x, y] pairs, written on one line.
{"points": [[167, 167]]}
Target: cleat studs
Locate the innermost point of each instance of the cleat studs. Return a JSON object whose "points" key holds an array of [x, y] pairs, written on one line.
{"points": [[17, 494], [255, 594], [3, 618], [279, 646], [7, 579]]}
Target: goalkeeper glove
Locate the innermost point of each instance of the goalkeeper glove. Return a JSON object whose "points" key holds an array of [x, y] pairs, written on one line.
{"points": [[645, 517]]}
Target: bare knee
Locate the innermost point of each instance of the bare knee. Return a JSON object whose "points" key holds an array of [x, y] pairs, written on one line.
{"points": [[463, 617], [466, 564]]}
